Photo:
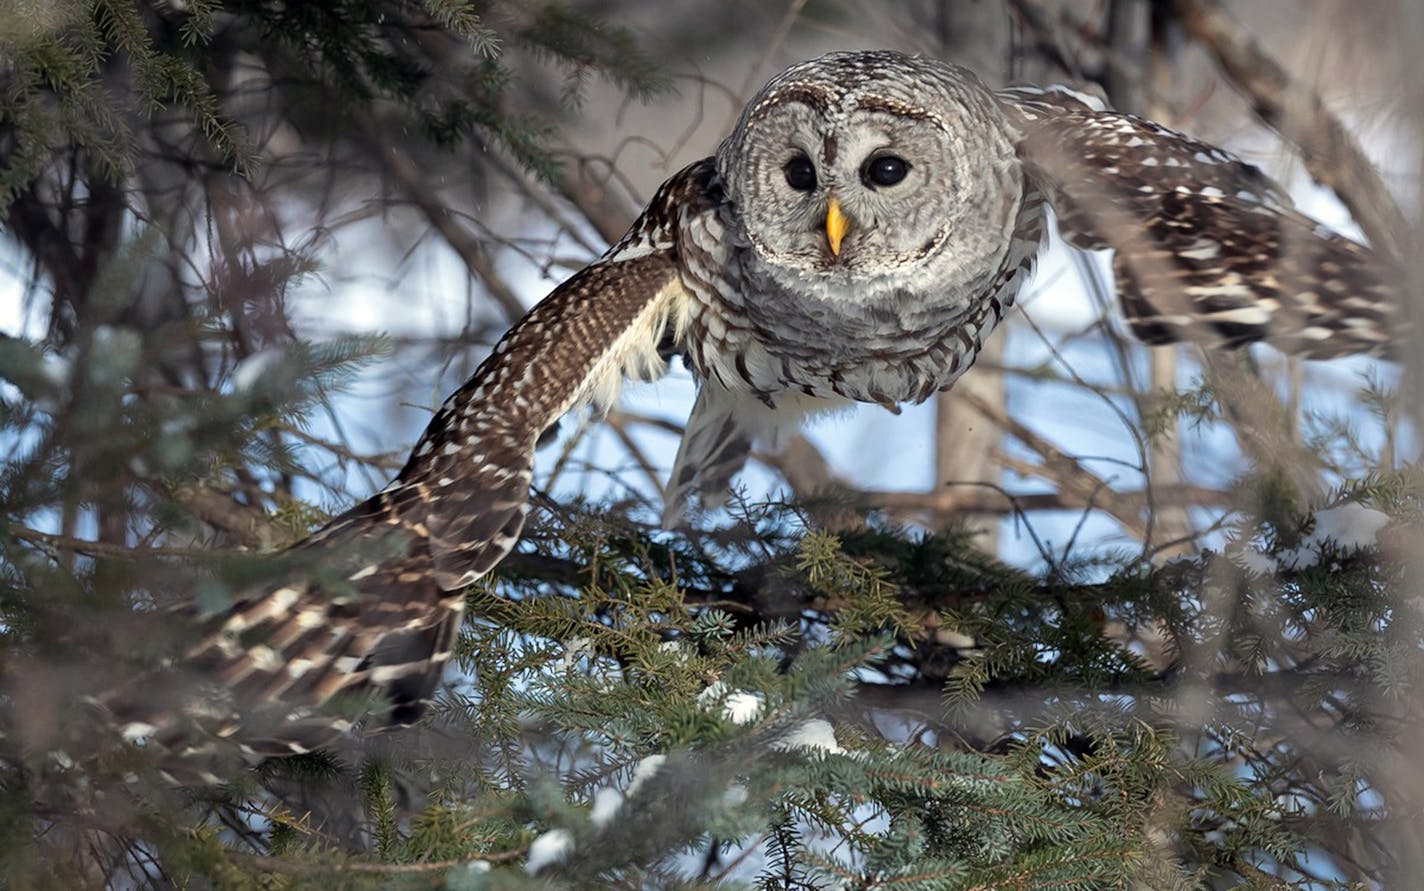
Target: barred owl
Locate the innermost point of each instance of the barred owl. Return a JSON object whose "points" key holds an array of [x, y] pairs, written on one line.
{"points": [[856, 238]]}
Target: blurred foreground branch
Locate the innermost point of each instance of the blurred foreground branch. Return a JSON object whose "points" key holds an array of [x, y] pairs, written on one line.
{"points": [[1331, 153]]}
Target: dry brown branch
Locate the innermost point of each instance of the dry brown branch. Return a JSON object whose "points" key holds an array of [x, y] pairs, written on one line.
{"points": [[1330, 152], [1264, 427], [1063, 470], [799, 462], [305, 868], [773, 46], [54, 544], [807, 472], [609, 215], [992, 501], [392, 460], [466, 245], [537, 193], [1045, 32], [248, 526], [634, 450], [802, 465]]}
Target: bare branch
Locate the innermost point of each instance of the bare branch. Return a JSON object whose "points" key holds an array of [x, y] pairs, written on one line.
{"points": [[1331, 153], [466, 245]]}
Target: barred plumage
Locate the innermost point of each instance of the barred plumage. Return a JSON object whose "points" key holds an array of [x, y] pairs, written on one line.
{"points": [[1206, 248], [859, 235]]}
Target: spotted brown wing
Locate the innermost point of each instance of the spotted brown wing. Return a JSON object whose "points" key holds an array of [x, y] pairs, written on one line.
{"points": [[373, 601], [1207, 248]]}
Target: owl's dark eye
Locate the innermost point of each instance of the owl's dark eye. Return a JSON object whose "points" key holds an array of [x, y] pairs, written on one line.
{"points": [[800, 173], [884, 170]]}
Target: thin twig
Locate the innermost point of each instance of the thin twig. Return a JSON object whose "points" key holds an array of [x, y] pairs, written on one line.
{"points": [[988, 502], [778, 37], [1061, 468], [469, 248], [301, 867], [70, 544]]}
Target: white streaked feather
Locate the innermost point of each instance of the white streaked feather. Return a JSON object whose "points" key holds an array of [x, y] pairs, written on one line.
{"points": [[633, 352]]}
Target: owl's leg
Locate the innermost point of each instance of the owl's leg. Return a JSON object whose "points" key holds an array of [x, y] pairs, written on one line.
{"points": [[715, 444], [720, 433]]}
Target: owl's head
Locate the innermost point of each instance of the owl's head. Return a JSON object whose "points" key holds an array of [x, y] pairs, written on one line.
{"points": [[859, 173]]}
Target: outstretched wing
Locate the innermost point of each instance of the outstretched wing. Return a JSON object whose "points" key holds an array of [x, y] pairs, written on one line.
{"points": [[468, 479], [376, 596], [1207, 248]]}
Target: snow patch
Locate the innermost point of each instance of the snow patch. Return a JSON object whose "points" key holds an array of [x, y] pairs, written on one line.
{"points": [[462, 875], [56, 369], [575, 648], [606, 803], [645, 771], [711, 694], [742, 707], [1255, 562], [815, 735], [253, 368], [548, 849], [739, 706], [676, 648], [1348, 527]]}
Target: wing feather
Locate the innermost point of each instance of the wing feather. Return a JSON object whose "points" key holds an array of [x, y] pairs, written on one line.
{"points": [[370, 605], [1207, 248], [472, 469]]}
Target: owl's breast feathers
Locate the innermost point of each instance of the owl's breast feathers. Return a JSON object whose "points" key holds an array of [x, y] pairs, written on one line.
{"points": [[769, 354]]}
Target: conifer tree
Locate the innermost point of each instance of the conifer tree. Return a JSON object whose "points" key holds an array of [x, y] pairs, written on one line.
{"points": [[834, 689]]}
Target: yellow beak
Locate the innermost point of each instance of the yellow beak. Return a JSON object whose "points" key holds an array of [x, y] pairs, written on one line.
{"points": [[837, 224]]}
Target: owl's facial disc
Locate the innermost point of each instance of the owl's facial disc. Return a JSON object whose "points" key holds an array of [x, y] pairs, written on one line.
{"points": [[840, 196], [873, 186], [882, 170]]}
